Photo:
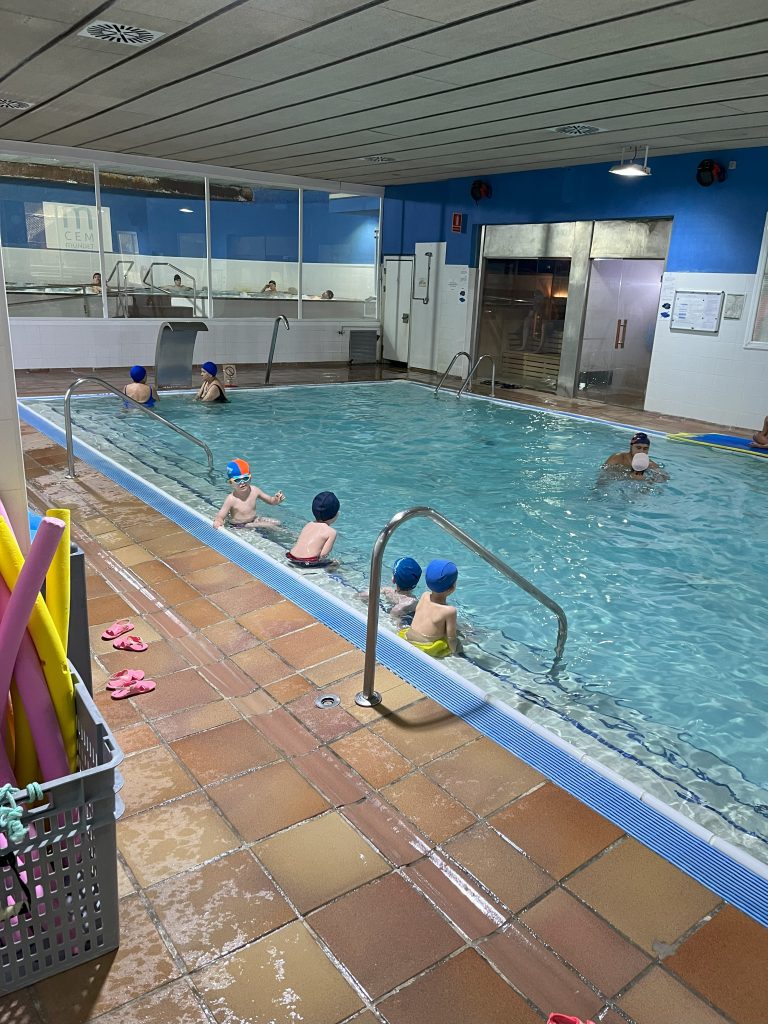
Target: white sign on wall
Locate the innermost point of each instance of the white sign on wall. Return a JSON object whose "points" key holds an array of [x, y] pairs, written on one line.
{"points": [[697, 311], [73, 226]]}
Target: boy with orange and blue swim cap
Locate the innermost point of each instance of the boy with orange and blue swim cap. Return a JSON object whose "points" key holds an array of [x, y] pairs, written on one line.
{"points": [[240, 506], [434, 628]]}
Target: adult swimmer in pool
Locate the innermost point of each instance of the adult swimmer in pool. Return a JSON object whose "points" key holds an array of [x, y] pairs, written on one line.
{"points": [[639, 444], [211, 390], [138, 389]]}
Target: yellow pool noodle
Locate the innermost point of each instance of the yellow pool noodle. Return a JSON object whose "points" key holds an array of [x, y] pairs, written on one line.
{"points": [[50, 650], [57, 595]]}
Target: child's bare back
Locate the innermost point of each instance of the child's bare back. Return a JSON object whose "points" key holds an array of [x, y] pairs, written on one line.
{"points": [[315, 541]]}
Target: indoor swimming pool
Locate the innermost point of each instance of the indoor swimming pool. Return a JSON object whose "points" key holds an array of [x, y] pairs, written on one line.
{"points": [[663, 584]]}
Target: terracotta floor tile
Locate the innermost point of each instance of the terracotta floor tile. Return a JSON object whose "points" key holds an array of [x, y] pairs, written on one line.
{"points": [[228, 678], [240, 600], [254, 704], [124, 884], [275, 620], [282, 730], [483, 775], [153, 571], [396, 699], [150, 525], [130, 555], [159, 660], [152, 777], [430, 808], [262, 666], [642, 895], [136, 738], [336, 668], [95, 526], [178, 690], [173, 838], [207, 716], [217, 578], [194, 560], [327, 723], [499, 867], [200, 612], [332, 777], [267, 800], [229, 637], [112, 539], [409, 935], [284, 978], [463, 990], [286, 690], [583, 939], [228, 750], [297, 859], [722, 960], [143, 627], [458, 896], [659, 997], [141, 964], [538, 974], [108, 608], [97, 586], [118, 713], [424, 731], [174, 1004], [174, 591], [373, 758], [556, 829], [388, 830], [172, 543], [309, 646], [218, 907]]}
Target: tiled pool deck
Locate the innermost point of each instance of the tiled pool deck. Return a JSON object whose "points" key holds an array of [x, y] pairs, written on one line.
{"points": [[279, 863]]}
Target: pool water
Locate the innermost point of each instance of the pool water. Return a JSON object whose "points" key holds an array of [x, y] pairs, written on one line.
{"points": [[663, 584]]}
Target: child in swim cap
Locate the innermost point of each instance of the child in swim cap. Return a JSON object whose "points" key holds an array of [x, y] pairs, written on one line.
{"points": [[239, 508], [399, 599], [315, 542], [434, 626]]}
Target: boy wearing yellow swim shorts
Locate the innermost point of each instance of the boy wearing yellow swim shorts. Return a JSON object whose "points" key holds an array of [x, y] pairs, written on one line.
{"points": [[433, 629]]}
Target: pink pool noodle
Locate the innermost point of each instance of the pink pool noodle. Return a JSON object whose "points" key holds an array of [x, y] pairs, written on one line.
{"points": [[13, 625]]}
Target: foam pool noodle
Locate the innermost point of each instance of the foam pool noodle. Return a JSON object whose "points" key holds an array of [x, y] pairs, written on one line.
{"points": [[57, 592]]}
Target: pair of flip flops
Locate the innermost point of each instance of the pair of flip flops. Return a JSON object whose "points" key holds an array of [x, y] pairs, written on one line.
{"points": [[116, 632], [129, 682]]}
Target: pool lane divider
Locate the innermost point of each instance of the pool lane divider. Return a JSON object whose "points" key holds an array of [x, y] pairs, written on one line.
{"points": [[727, 870]]}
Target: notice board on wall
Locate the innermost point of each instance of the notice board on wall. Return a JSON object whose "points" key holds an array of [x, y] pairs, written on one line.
{"points": [[697, 311]]}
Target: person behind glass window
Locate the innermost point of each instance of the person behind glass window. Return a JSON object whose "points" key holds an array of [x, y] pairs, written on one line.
{"points": [[270, 286]]}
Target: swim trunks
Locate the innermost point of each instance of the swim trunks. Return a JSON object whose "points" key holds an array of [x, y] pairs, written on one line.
{"points": [[435, 648], [314, 562]]}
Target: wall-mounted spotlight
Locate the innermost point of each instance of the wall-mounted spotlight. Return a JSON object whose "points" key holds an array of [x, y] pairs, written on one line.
{"points": [[631, 167]]}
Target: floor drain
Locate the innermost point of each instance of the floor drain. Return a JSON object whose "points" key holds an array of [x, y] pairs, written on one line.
{"points": [[327, 700]]}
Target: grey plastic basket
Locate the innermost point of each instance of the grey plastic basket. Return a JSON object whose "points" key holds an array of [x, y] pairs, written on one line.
{"points": [[68, 864]]}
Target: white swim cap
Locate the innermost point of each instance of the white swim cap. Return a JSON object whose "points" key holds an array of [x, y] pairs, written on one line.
{"points": [[640, 462]]}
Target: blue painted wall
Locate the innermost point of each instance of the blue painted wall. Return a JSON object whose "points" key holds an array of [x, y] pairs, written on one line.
{"points": [[717, 229], [335, 230]]}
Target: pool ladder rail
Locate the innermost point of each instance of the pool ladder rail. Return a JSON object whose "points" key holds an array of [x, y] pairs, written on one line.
{"points": [[278, 320], [143, 408], [467, 382], [368, 697]]}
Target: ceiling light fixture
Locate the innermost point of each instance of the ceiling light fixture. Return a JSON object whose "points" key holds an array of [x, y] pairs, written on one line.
{"points": [[631, 168], [378, 159], [185, 209]]}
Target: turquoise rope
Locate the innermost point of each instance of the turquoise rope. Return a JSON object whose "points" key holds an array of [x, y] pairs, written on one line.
{"points": [[11, 813]]}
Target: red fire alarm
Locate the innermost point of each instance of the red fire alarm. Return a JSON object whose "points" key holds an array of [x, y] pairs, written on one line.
{"points": [[457, 222]]}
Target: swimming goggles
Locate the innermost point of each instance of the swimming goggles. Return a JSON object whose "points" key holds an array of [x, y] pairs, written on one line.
{"points": [[244, 479]]}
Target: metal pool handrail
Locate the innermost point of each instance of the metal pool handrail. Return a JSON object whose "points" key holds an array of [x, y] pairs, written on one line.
{"points": [[468, 382], [450, 367], [368, 697], [275, 329], [126, 398]]}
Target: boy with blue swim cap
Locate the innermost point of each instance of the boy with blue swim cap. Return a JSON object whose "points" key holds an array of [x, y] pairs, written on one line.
{"points": [[400, 600], [239, 507], [315, 542], [434, 627]]}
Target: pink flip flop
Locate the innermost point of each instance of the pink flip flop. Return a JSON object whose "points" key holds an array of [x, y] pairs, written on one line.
{"points": [[135, 689], [117, 629], [130, 643], [126, 676]]}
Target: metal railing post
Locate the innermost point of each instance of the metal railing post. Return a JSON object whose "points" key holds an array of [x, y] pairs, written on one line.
{"points": [[450, 367], [126, 398], [467, 385], [368, 697], [278, 320]]}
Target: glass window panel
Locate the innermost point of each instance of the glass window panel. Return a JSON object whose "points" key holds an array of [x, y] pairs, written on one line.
{"points": [[254, 250], [339, 255], [154, 243], [50, 239]]}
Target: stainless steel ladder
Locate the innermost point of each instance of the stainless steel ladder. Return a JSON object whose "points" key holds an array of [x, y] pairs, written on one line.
{"points": [[120, 394], [368, 697], [450, 367], [121, 307], [278, 320], [147, 279], [467, 382]]}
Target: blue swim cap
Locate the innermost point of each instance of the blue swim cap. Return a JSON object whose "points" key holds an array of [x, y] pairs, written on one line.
{"points": [[640, 438], [406, 573], [211, 368], [325, 506], [441, 575], [138, 373]]}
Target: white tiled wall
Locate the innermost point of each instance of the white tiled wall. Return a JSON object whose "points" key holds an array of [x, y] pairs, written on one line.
{"points": [[705, 376], [442, 327]]}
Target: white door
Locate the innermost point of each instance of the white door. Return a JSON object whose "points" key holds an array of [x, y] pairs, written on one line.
{"points": [[396, 327]]}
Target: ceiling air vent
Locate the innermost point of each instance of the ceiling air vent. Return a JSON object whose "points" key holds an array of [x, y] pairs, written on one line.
{"points": [[127, 35], [378, 159], [575, 129], [8, 104]]}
